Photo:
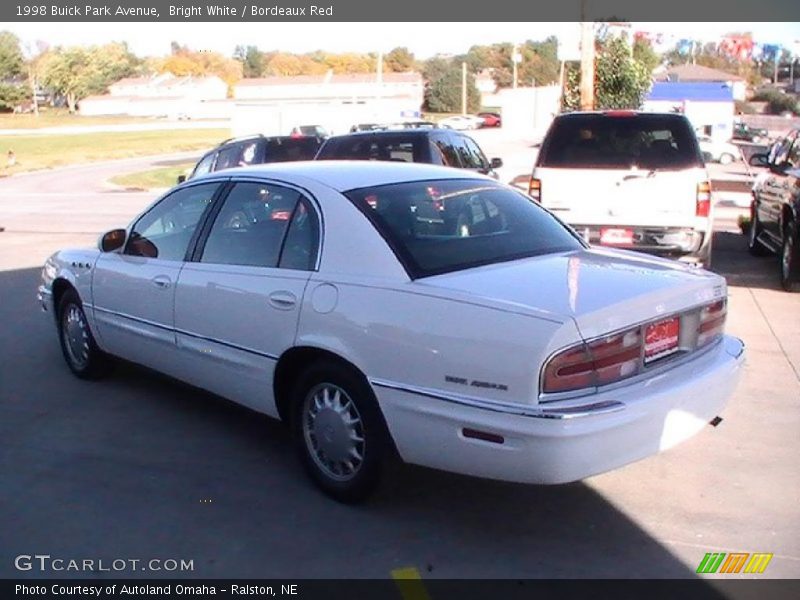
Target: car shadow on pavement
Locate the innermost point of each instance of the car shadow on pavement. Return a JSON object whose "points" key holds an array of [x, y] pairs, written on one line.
{"points": [[732, 260], [139, 466]]}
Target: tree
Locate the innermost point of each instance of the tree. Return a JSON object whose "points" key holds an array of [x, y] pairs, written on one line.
{"points": [[77, 72], [12, 68], [443, 94], [621, 81], [252, 60], [183, 62], [643, 52], [12, 63], [400, 60]]}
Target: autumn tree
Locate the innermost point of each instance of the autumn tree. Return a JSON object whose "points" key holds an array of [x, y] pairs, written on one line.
{"points": [[399, 60], [184, 62], [76, 72], [252, 60]]}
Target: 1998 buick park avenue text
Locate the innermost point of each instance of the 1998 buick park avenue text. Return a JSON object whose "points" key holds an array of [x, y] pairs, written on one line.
{"points": [[387, 309]]}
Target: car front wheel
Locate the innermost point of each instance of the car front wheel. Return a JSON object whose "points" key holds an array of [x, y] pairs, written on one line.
{"points": [[339, 431], [790, 259], [78, 346]]}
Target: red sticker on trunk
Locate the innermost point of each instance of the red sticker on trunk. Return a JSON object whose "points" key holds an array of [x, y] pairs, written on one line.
{"points": [[661, 339]]}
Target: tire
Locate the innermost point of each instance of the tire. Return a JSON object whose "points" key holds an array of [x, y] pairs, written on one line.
{"points": [[755, 247], [726, 159], [81, 353], [790, 259], [339, 431]]}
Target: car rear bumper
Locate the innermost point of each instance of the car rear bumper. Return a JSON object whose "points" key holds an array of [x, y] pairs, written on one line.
{"points": [[562, 441], [685, 243]]}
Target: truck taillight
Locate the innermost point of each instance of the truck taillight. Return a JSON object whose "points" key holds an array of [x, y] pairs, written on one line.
{"points": [[712, 322], [535, 189], [601, 362], [703, 202]]}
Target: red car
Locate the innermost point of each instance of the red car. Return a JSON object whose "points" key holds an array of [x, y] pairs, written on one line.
{"points": [[490, 119]]}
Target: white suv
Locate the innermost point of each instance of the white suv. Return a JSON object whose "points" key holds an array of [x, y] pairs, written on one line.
{"points": [[628, 179]]}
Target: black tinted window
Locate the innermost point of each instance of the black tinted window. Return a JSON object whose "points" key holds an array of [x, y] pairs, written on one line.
{"points": [[621, 142], [302, 241], [440, 226], [230, 156], [166, 229], [448, 153], [289, 149], [358, 147]]}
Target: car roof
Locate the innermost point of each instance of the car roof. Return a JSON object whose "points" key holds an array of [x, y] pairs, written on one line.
{"points": [[386, 133], [618, 113], [344, 175]]}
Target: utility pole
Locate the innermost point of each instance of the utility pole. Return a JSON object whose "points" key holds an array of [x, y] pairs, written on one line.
{"points": [[463, 88], [587, 61]]}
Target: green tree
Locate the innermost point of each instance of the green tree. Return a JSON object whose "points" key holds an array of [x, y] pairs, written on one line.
{"points": [[252, 60], [400, 60], [443, 94], [621, 81], [12, 69], [643, 52]]}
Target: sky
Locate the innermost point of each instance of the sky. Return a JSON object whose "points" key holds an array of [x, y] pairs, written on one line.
{"points": [[423, 39]]}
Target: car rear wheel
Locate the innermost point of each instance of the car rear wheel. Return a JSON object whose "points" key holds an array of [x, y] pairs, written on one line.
{"points": [[78, 346], [754, 246], [726, 159], [339, 431], [790, 259]]}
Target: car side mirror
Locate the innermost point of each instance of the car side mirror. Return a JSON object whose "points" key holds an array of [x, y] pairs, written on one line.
{"points": [[112, 240], [181, 178], [759, 160], [496, 163]]}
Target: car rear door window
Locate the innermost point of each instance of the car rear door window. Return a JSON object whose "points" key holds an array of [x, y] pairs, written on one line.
{"points": [[165, 230], [476, 154], [230, 156], [289, 149], [205, 165], [250, 227]]}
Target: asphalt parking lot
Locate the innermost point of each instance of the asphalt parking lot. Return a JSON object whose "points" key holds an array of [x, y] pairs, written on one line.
{"points": [[138, 466]]}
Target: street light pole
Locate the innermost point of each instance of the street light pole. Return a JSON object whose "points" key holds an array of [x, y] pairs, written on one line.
{"points": [[463, 88]]}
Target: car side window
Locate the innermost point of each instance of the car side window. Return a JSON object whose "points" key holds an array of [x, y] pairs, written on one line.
{"points": [[165, 231], [230, 156], [476, 153], [448, 152], [302, 240], [205, 164], [251, 225], [468, 159], [794, 154]]}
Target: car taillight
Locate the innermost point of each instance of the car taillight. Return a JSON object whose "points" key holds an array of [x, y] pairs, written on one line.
{"points": [[535, 189], [712, 323], [703, 202], [601, 362]]}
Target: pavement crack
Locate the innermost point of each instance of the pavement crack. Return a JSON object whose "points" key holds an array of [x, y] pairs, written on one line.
{"points": [[775, 335]]}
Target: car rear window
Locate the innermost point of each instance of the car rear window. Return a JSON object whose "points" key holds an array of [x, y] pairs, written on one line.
{"points": [[621, 142], [368, 147], [441, 226], [289, 149]]}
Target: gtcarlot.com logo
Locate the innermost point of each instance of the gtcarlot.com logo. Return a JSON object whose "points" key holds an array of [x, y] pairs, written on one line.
{"points": [[45, 563]]}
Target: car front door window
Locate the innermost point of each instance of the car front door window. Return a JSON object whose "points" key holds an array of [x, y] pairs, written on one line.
{"points": [[164, 232]]}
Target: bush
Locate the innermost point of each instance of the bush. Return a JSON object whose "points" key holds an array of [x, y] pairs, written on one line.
{"points": [[778, 102]]}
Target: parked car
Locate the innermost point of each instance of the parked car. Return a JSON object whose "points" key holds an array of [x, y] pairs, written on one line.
{"points": [[434, 146], [381, 307], [461, 122], [742, 131], [628, 179], [251, 150], [490, 119], [775, 213], [317, 131], [715, 150]]}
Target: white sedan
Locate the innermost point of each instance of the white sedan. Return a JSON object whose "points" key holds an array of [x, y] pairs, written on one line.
{"points": [[381, 307], [461, 122], [718, 151]]}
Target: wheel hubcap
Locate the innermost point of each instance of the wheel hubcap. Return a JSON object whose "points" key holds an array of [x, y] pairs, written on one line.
{"points": [[333, 431], [76, 336], [753, 232]]}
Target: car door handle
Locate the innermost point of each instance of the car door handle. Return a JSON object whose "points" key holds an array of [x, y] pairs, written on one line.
{"points": [[283, 300], [161, 281]]}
